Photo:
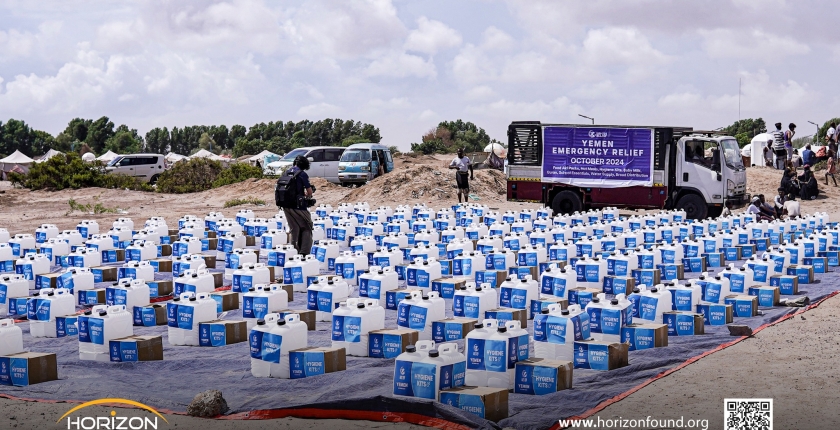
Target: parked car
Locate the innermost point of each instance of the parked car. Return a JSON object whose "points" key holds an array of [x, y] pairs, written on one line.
{"points": [[323, 162], [145, 167], [364, 161]]}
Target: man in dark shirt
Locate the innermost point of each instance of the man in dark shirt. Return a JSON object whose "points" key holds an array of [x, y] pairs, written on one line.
{"points": [[299, 219]]}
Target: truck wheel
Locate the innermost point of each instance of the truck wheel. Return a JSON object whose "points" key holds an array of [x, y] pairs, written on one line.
{"points": [[694, 206], [566, 202]]}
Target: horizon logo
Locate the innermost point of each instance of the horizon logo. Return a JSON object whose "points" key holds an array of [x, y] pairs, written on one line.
{"points": [[112, 421]]}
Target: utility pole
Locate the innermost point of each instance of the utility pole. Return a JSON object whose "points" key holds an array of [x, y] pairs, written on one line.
{"points": [[739, 99], [590, 118]]}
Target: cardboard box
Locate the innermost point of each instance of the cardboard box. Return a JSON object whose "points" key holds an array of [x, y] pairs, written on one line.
{"points": [[389, 343], [162, 265], [732, 253], [225, 301], [742, 306], [582, 296], [165, 250], [222, 333], [452, 329], [394, 297], [66, 326], [804, 273], [508, 314], [446, 268], [210, 261], [670, 272], [694, 264], [714, 259], [113, 256], [597, 355], [522, 271], [619, 284], [681, 323], [92, 297], [46, 280], [313, 361], [219, 279], [306, 316], [832, 258], [747, 251], [715, 314], [208, 244], [485, 402], [492, 277], [648, 277], [761, 245], [104, 274], [136, 348], [17, 306], [174, 232], [211, 234], [446, 287], [537, 305], [767, 296], [160, 288], [537, 376], [820, 264], [150, 316], [788, 284], [644, 336], [28, 368]]}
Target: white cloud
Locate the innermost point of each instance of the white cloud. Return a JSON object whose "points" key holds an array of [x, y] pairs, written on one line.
{"points": [[622, 47], [560, 107], [401, 65], [431, 36], [480, 92], [427, 115], [753, 44], [16, 44], [394, 103], [317, 110], [495, 39]]}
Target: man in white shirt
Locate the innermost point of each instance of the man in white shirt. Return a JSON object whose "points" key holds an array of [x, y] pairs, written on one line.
{"points": [[464, 172], [792, 207], [831, 134], [755, 209]]}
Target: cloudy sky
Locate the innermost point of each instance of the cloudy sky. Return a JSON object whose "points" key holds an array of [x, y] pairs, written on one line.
{"points": [[406, 65]]}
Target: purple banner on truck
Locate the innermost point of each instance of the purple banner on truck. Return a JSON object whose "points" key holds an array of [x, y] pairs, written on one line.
{"points": [[598, 157]]}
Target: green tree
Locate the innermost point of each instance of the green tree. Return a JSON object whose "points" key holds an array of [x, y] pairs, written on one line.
{"points": [[157, 141], [98, 134], [78, 128], [64, 142], [205, 141], [744, 130], [16, 135], [449, 136], [124, 142], [819, 139]]}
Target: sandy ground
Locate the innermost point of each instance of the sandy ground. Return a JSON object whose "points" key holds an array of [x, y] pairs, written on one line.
{"points": [[793, 362]]}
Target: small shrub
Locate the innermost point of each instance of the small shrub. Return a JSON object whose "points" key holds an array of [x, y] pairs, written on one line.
{"points": [[245, 201], [69, 171], [197, 174], [237, 172], [97, 208]]}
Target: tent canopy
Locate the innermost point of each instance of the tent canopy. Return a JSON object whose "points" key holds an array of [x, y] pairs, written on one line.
{"points": [[50, 154], [17, 157], [207, 154], [261, 155], [108, 156], [173, 157], [497, 149]]}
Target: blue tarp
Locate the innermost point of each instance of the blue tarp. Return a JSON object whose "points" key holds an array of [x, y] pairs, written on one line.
{"points": [[365, 385]]}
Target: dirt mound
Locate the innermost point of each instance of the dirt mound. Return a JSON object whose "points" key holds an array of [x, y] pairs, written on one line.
{"points": [[413, 182]]}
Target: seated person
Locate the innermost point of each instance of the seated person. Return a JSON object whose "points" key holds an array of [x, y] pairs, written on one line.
{"points": [[791, 208], [755, 208], [808, 184]]}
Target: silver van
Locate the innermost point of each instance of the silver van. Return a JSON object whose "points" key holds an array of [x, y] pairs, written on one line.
{"points": [[323, 162], [145, 167]]}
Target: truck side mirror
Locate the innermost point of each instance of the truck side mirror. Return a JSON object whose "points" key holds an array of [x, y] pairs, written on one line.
{"points": [[719, 177]]}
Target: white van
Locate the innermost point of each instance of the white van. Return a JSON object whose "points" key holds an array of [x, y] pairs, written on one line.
{"points": [[323, 162], [144, 167]]}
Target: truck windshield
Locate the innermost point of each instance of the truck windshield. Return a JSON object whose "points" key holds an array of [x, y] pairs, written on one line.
{"points": [[355, 155], [731, 153]]}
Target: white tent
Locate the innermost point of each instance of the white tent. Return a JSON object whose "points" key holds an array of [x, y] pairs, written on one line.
{"points": [[207, 154], [174, 158], [497, 149], [50, 154], [107, 157], [89, 157], [261, 158], [17, 159]]}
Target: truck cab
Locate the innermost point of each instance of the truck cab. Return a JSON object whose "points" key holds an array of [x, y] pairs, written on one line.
{"points": [[572, 167], [363, 162]]}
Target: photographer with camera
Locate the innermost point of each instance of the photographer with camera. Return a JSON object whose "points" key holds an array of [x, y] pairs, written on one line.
{"points": [[293, 194]]}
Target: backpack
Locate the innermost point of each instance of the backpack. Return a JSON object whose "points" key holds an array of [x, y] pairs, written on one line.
{"points": [[286, 190]]}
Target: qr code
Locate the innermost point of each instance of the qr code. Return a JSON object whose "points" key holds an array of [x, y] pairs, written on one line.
{"points": [[748, 414]]}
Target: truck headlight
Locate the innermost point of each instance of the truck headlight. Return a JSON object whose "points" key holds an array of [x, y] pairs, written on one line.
{"points": [[730, 187], [366, 168], [341, 168]]}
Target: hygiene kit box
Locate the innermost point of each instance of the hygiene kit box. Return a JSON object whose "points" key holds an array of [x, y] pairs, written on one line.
{"points": [[522, 271], [743, 306], [767, 296], [694, 264], [389, 343], [714, 259], [162, 265], [314, 361], [104, 274], [451, 329], [788, 284], [160, 288], [485, 402], [804, 273], [537, 376], [598, 355], [149, 316], [747, 251], [136, 348], [28, 368], [225, 301], [681, 323], [644, 336], [492, 277], [820, 264], [582, 296], [646, 276], [715, 314], [537, 305], [619, 284], [446, 287], [670, 272], [504, 315], [222, 333]]}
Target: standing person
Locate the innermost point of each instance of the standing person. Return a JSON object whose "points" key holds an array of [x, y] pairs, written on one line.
{"points": [[464, 173], [791, 131], [298, 217], [779, 147], [768, 154], [831, 133], [831, 169]]}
